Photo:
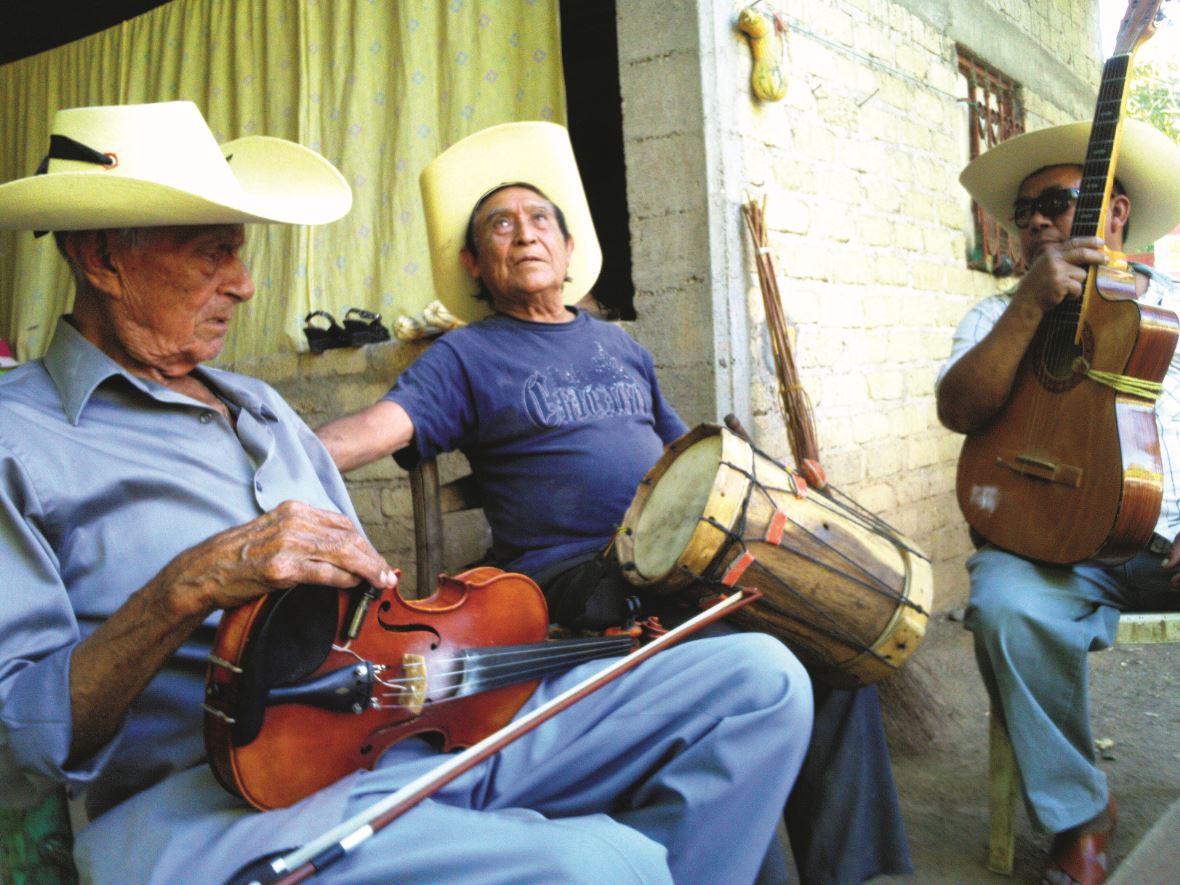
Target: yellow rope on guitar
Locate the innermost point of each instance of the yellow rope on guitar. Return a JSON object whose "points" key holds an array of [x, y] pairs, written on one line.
{"points": [[1126, 384]]}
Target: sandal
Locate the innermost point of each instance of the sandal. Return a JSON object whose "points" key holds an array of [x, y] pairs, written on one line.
{"points": [[364, 327], [1080, 856], [319, 338]]}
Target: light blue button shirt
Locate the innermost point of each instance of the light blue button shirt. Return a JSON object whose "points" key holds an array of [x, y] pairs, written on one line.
{"points": [[104, 478]]}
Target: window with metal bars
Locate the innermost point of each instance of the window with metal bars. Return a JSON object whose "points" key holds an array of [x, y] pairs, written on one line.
{"points": [[994, 113]]}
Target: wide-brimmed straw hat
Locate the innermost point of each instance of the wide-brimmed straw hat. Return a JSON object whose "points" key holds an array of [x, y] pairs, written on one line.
{"points": [[149, 165], [1146, 167], [535, 153]]}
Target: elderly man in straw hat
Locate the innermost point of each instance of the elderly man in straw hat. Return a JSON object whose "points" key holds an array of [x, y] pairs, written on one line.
{"points": [[1034, 623], [561, 415], [141, 493]]}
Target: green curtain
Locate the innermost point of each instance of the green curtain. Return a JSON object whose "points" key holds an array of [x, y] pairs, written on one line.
{"points": [[379, 87]]}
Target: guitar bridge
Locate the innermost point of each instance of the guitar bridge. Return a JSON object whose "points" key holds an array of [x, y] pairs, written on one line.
{"points": [[1040, 468]]}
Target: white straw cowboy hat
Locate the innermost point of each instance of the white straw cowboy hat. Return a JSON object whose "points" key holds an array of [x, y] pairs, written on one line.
{"points": [[1146, 167], [158, 164], [535, 153]]}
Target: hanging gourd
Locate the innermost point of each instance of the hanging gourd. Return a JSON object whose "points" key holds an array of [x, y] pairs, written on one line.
{"points": [[767, 78]]}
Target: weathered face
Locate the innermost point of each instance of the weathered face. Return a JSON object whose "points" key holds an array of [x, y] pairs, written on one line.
{"points": [[1042, 225], [178, 289], [522, 251]]}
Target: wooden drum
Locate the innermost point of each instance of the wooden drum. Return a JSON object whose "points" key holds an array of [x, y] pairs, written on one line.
{"points": [[846, 592]]}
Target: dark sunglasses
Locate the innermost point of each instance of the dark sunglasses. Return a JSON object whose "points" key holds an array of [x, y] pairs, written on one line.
{"points": [[1050, 203]]}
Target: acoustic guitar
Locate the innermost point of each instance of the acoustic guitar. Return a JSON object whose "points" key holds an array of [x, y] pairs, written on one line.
{"points": [[1070, 468]]}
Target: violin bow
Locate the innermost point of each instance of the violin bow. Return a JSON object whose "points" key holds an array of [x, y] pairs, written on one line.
{"points": [[305, 862]]}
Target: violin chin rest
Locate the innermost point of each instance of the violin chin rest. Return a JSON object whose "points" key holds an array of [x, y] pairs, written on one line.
{"points": [[290, 639]]}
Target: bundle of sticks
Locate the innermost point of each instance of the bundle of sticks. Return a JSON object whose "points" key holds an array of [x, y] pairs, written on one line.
{"points": [[797, 411]]}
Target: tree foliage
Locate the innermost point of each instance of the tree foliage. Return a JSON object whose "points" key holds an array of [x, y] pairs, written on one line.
{"points": [[1155, 95]]}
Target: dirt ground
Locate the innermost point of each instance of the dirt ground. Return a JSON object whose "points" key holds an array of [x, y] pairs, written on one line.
{"points": [[942, 775]]}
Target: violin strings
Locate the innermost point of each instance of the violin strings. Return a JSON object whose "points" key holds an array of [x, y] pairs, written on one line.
{"points": [[471, 674], [471, 686], [541, 649]]}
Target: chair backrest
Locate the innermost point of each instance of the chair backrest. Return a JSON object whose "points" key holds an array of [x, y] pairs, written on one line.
{"points": [[431, 500]]}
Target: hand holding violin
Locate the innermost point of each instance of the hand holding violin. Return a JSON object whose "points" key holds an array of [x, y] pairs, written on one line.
{"points": [[372, 669], [293, 544]]}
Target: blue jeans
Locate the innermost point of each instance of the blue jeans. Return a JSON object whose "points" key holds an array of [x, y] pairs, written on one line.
{"points": [[1033, 625]]}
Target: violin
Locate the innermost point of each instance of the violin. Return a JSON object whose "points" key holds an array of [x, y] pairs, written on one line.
{"points": [[307, 685]]}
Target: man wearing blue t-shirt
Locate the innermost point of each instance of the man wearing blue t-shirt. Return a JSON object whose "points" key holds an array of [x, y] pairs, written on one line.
{"points": [[561, 415]]}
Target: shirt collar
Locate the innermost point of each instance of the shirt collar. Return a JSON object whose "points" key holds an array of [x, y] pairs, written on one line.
{"points": [[77, 368]]}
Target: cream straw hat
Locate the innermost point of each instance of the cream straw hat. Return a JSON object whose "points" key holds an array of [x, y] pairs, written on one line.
{"points": [[158, 164], [1147, 164], [533, 153]]}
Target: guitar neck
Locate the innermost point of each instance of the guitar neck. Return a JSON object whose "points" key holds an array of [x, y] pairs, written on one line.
{"points": [[1102, 150], [1098, 173]]}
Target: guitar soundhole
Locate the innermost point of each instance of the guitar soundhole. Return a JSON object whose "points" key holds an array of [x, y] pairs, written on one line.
{"points": [[1061, 363]]}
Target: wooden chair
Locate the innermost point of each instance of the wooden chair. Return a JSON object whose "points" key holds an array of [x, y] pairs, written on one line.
{"points": [[1003, 775], [431, 501]]}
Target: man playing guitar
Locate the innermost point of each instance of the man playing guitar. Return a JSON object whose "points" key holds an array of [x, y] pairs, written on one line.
{"points": [[1034, 622]]}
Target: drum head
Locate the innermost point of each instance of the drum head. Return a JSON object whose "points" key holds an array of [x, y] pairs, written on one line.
{"points": [[676, 502]]}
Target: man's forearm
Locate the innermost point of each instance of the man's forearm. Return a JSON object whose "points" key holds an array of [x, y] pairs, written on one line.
{"points": [[292, 544], [976, 387], [365, 436], [115, 663]]}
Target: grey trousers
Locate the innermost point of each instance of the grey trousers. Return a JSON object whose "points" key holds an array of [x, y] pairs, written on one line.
{"points": [[843, 818], [1034, 625]]}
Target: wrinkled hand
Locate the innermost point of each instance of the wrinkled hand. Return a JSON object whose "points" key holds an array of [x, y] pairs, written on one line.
{"points": [[1059, 272], [293, 544]]}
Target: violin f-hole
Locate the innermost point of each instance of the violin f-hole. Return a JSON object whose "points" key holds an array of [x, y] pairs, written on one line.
{"points": [[406, 628]]}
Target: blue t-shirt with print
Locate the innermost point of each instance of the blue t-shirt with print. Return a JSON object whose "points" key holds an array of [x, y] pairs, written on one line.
{"points": [[560, 422]]}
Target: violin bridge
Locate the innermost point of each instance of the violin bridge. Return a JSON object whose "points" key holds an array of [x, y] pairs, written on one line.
{"points": [[413, 693]]}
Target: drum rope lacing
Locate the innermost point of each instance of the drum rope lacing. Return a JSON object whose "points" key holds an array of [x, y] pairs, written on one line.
{"points": [[830, 630], [737, 538], [871, 523], [867, 518]]}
